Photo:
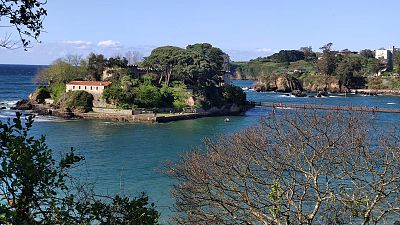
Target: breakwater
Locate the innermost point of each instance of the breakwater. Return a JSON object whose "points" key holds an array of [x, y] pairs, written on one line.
{"points": [[326, 107]]}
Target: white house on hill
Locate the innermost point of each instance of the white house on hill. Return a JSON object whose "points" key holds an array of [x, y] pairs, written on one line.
{"points": [[93, 87]]}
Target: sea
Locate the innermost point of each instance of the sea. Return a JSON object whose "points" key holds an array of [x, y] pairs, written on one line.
{"points": [[129, 158]]}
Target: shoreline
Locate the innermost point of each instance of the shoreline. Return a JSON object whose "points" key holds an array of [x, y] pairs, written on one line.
{"points": [[48, 110]]}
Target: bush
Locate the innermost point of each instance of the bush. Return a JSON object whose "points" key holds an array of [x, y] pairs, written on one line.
{"points": [[35, 188], [40, 94], [180, 95], [77, 100], [57, 90], [147, 96]]}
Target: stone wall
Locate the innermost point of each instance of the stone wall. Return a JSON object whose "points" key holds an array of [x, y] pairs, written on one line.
{"points": [[123, 112]]}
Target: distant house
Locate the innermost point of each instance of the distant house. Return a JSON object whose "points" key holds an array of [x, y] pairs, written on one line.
{"points": [[387, 56], [93, 87]]}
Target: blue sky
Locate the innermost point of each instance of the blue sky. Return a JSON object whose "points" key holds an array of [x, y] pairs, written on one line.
{"points": [[244, 29]]}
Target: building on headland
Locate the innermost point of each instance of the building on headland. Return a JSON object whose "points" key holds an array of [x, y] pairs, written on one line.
{"points": [[93, 87], [385, 55]]}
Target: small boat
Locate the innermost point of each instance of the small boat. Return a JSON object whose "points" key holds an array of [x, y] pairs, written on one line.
{"points": [[226, 119]]}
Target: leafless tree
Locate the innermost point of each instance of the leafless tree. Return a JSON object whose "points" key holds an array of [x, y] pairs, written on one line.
{"points": [[302, 167], [133, 57]]}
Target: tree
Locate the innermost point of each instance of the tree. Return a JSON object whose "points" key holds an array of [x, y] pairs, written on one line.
{"points": [[326, 65], [300, 167], [96, 64], [61, 71], [285, 56], [121, 62], [30, 178], [36, 189], [26, 16], [367, 53], [309, 55], [164, 59], [347, 70]]}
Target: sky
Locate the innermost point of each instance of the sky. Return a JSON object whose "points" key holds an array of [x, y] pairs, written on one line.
{"points": [[243, 29]]}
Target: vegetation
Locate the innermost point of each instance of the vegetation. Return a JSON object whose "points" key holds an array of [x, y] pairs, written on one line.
{"points": [[302, 167], [26, 16], [173, 75], [344, 68], [77, 100], [37, 189]]}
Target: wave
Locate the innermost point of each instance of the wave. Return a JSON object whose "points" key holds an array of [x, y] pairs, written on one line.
{"points": [[391, 103], [8, 104]]}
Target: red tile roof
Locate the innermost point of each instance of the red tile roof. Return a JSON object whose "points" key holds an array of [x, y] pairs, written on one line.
{"points": [[90, 83]]}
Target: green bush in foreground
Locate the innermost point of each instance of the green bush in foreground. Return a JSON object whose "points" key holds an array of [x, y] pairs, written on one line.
{"points": [[35, 188]]}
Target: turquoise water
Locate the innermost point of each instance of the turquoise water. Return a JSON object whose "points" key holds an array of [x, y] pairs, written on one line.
{"points": [[128, 158]]}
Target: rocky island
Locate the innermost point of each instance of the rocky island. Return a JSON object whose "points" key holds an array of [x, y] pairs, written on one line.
{"points": [[171, 84]]}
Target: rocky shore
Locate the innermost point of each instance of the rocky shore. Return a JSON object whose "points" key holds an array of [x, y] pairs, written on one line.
{"points": [[45, 109]]}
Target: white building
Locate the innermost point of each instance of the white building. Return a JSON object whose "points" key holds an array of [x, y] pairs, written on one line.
{"points": [[387, 55], [93, 87]]}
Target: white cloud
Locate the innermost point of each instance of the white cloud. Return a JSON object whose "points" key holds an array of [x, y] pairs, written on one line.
{"points": [[109, 44], [264, 50], [78, 42]]}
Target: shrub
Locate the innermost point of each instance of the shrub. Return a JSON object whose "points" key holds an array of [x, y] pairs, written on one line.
{"points": [[57, 90], [38, 190], [147, 96], [234, 94], [77, 100]]}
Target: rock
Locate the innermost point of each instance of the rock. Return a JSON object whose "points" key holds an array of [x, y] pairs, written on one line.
{"points": [[322, 94], [3, 107], [22, 105], [299, 93], [39, 95]]}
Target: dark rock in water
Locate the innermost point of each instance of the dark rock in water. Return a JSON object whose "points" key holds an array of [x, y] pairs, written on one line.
{"points": [[322, 94], [311, 96], [3, 107], [22, 105], [299, 93], [396, 223]]}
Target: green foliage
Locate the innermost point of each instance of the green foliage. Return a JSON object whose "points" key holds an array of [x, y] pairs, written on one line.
{"points": [[147, 96], [382, 82], [121, 62], [61, 71], [367, 53], [347, 70], [327, 64], [31, 180], [198, 65], [180, 95], [27, 18], [95, 67], [34, 187], [121, 210], [234, 94], [287, 56], [117, 95], [78, 100], [41, 93], [57, 90]]}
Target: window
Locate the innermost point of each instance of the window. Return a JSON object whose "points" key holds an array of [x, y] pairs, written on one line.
{"points": [[73, 87], [85, 87], [97, 88], [91, 88], [79, 87]]}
